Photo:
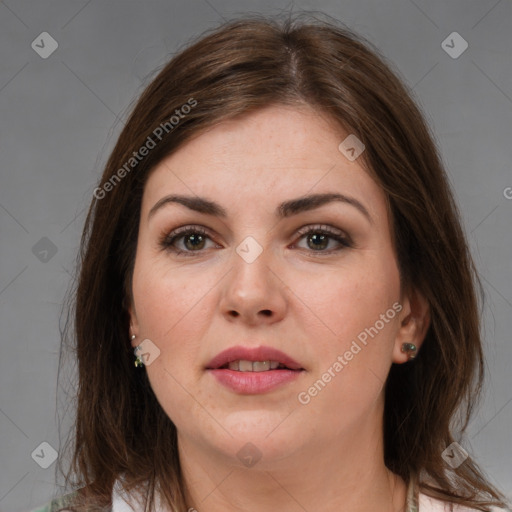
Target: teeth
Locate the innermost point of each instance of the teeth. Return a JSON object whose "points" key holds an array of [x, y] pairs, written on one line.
{"points": [[253, 366], [260, 366], [245, 366]]}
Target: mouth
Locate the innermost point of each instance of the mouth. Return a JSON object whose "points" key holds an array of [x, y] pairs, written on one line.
{"points": [[244, 365], [259, 359], [254, 371]]}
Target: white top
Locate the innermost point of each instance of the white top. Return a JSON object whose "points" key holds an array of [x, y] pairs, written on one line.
{"points": [[122, 503], [428, 504]]}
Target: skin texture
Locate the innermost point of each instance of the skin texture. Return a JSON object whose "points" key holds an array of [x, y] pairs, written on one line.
{"points": [[330, 450]]}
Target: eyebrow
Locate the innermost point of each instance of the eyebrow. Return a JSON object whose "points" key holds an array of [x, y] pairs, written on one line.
{"points": [[285, 209]]}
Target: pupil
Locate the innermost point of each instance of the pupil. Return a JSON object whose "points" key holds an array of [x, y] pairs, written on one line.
{"points": [[321, 238], [198, 240]]}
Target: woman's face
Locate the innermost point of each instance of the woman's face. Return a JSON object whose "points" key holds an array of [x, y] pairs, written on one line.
{"points": [[331, 301]]}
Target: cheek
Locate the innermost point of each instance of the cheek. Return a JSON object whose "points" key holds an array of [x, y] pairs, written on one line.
{"points": [[167, 297], [352, 345], [170, 306], [342, 303]]}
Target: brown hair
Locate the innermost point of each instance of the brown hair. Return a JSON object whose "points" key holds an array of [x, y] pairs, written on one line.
{"points": [[242, 66]]}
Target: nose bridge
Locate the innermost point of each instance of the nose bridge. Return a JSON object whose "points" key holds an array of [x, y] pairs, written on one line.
{"points": [[251, 261], [253, 287]]}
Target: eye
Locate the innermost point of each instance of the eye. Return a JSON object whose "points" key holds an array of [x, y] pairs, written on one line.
{"points": [[318, 238], [193, 237]]}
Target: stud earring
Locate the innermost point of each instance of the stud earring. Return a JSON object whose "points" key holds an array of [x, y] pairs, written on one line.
{"points": [[409, 349]]}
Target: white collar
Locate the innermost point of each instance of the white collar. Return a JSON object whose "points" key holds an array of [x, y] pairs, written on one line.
{"points": [[121, 502], [133, 502]]}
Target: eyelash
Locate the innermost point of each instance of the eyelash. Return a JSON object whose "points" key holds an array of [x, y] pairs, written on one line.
{"points": [[167, 241]]}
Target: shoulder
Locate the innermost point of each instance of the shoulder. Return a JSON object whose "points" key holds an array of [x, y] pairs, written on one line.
{"points": [[60, 504], [428, 504]]}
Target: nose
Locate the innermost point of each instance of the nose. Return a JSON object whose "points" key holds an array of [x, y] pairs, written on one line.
{"points": [[253, 292]]}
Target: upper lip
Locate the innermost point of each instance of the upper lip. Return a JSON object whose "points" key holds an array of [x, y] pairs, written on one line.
{"points": [[261, 353]]}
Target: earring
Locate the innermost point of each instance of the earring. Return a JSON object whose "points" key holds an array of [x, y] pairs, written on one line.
{"points": [[138, 360], [409, 349]]}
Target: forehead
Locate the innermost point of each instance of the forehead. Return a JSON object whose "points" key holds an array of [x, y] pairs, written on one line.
{"points": [[278, 151]]}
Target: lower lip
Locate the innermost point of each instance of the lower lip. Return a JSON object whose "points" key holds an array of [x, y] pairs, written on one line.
{"points": [[253, 383]]}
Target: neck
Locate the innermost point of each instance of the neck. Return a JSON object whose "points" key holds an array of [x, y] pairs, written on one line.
{"points": [[348, 477]]}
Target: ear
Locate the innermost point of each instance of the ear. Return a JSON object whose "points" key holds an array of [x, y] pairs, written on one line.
{"points": [[414, 324], [134, 324]]}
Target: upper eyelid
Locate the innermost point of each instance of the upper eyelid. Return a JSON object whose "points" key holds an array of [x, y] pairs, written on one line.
{"points": [[321, 227], [183, 230]]}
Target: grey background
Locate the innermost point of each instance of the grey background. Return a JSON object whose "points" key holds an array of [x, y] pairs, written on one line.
{"points": [[58, 121]]}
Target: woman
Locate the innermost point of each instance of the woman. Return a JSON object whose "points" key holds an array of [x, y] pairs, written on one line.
{"points": [[276, 305]]}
